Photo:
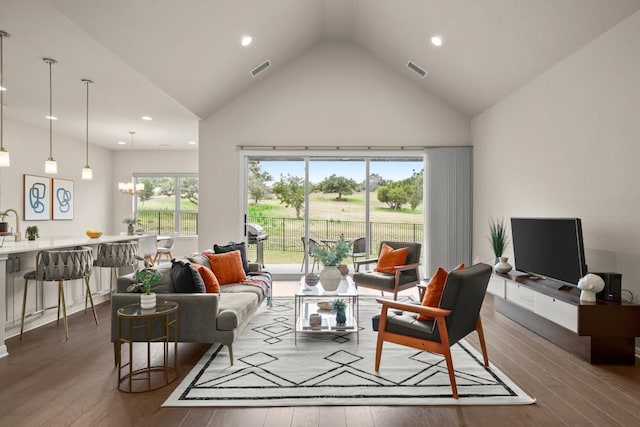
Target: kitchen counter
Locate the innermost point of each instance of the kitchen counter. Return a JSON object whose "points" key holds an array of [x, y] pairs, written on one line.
{"points": [[19, 257]]}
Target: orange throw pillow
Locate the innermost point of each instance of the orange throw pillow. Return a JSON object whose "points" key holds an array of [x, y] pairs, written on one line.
{"points": [[390, 258], [434, 291], [210, 280], [227, 267]]}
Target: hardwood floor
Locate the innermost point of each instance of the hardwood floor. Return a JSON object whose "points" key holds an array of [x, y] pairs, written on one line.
{"points": [[47, 381]]}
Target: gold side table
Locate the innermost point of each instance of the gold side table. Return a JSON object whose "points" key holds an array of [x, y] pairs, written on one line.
{"points": [[137, 325]]}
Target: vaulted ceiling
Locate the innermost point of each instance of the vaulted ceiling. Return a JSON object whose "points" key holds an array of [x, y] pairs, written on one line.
{"points": [[180, 61]]}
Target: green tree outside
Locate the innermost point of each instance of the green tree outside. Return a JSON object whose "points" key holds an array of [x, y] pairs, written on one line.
{"points": [[339, 185], [290, 192]]}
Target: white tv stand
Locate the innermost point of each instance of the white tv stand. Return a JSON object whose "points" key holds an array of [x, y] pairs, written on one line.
{"points": [[602, 332]]}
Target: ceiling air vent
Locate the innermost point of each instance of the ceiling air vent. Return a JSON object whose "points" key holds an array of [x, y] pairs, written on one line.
{"points": [[416, 69], [260, 68]]}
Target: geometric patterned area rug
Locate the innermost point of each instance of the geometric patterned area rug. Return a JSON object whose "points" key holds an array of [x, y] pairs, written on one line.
{"points": [[332, 369]]}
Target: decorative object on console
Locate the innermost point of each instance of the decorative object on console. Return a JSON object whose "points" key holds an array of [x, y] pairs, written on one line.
{"points": [[498, 237], [590, 285], [32, 232], [5, 160], [502, 266]]}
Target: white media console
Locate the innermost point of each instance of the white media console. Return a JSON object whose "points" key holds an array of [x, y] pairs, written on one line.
{"points": [[602, 332]]}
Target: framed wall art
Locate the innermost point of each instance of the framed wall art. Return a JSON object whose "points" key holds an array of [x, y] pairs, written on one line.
{"points": [[37, 198], [62, 197]]}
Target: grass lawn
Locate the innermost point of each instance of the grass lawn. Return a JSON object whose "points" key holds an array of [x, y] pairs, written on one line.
{"points": [[326, 207]]}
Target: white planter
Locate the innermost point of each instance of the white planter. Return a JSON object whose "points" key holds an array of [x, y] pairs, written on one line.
{"points": [[148, 301], [503, 266], [330, 277]]}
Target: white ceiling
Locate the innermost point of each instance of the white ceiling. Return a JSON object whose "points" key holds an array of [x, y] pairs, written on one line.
{"points": [[179, 61]]}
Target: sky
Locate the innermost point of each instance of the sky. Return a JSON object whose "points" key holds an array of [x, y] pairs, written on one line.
{"points": [[318, 170]]}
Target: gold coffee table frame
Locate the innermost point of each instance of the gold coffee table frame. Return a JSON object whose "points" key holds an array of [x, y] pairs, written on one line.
{"points": [[142, 320]]}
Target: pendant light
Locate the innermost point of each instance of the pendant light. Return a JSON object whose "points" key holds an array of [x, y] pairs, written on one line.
{"points": [[4, 154], [87, 173], [131, 188], [50, 166]]}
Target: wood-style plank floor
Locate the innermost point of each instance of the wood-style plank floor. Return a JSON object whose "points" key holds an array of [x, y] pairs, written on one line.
{"points": [[47, 381]]}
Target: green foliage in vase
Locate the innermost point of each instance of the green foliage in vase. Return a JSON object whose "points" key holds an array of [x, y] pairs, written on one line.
{"points": [[332, 255], [146, 278], [339, 306], [498, 236]]}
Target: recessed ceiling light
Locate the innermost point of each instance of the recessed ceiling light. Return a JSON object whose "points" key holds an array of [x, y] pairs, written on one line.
{"points": [[246, 41], [121, 143], [192, 142], [436, 40], [146, 118], [51, 118], [3, 88]]}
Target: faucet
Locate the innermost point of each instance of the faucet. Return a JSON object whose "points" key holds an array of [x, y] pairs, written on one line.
{"points": [[4, 214]]}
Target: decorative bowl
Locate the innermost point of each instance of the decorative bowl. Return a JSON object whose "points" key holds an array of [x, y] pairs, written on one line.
{"points": [[311, 279], [93, 234]]}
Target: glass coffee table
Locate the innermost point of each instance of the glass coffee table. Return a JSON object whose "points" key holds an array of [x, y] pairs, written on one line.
{"points": [[315, 300]]}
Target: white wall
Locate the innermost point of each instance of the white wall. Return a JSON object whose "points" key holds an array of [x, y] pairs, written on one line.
{"points": [[568, 144], [29, 148], [336, 94]]}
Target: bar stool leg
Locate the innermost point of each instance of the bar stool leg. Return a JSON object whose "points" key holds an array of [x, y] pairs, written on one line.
{"points": [[95, 316], [24, 306], [64, 309], [58, 319]]}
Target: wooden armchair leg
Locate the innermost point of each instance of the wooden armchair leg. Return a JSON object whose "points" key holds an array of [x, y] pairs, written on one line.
{"points": [[483, 345], [381, 327], [452, 374]]}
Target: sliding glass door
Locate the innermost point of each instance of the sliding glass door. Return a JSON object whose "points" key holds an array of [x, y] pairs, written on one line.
{"points": [[320, 196]]}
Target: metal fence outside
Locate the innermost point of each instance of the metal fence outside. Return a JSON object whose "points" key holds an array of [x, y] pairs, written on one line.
{"points": [[164, 222], [285, 234]]}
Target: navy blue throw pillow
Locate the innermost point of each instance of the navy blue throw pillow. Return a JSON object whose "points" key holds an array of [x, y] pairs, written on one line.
{"points": [[186, 279], [234, 247]]}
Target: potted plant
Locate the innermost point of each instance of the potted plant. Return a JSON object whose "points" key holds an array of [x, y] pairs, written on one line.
{"points": [[330, 257], [32, 232], [340, 307], [146, 278], [131, 224], [499, 242]]}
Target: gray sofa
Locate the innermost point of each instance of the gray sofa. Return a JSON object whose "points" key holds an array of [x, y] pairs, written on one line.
{"points": [[202, 317]]}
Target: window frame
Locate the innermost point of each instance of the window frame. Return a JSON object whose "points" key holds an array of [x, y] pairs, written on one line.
{"points": [[177, 211]]}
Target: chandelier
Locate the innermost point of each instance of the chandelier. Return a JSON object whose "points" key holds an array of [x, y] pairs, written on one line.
{"points": [[131, 188]]}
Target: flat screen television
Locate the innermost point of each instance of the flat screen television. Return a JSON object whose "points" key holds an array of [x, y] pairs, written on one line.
{"points": [[549, 247]]}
